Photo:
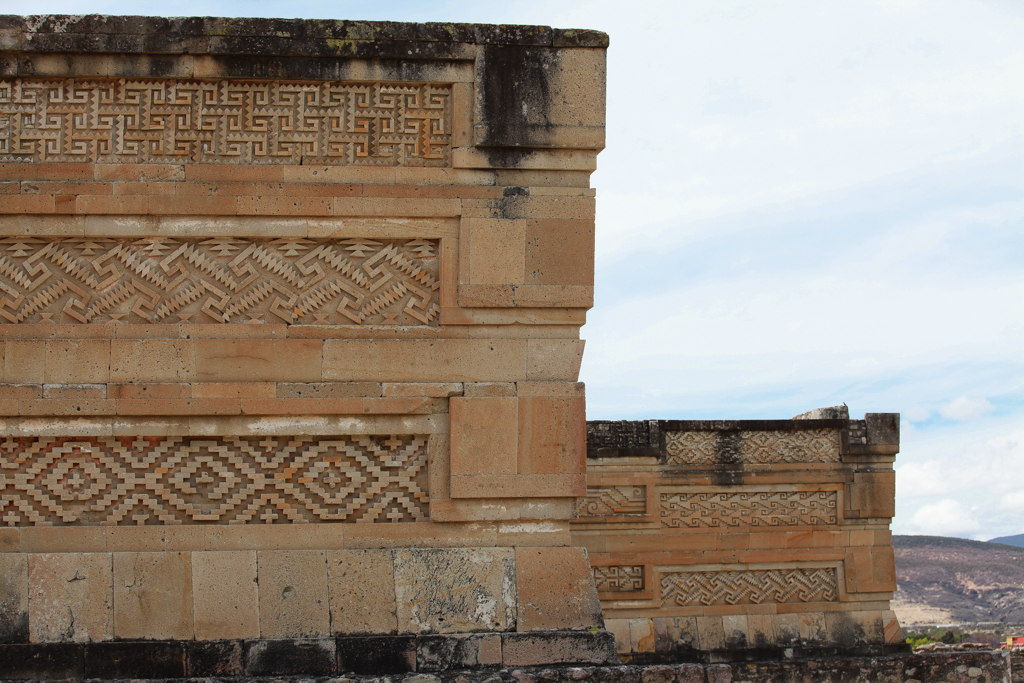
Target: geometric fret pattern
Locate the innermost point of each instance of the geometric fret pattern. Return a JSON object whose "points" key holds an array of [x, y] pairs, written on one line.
{"points": [[212, 480], [619, 578], [614, 500], [220, 280], [748, 509], [752, 447], [111, 120], [749, 587]]}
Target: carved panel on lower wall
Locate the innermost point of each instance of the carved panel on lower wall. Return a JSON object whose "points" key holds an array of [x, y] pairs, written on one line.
{"points": [[222, 280], [176, 121], [619, 578], [614, 500], [212, 480], [749, 587], [718, 448], [748, 509]]}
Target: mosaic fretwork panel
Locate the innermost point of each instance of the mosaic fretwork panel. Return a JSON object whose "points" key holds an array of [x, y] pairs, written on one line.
{"points": [[218, 480], [752, 447], [749, 587], [748, 509], [222, 280], [614, 500], [225, 122], [623, 578]]}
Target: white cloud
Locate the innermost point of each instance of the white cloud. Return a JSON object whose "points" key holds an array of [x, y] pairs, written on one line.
{"points": [[917, 414], [965, 408], [947, 517]]}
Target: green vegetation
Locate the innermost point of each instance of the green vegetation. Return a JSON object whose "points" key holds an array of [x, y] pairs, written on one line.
{"points": [[947, 636]]}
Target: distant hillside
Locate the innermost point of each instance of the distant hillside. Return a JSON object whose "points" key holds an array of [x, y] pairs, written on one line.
{"points": [[951, 580], [1017, 540]]}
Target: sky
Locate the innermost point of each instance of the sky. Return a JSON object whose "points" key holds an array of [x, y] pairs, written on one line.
{"points": [[801, 204]]}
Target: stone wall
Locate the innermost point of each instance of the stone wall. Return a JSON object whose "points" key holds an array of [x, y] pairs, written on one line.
{"points": [[741, 539], [289, 319]]}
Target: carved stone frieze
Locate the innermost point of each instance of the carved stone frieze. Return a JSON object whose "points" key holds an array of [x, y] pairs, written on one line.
{"points": [[748, 509], [614, 500], [215, 480], [749, 587], [221, 280], [112, 120], [752, 447], [619, 578]]}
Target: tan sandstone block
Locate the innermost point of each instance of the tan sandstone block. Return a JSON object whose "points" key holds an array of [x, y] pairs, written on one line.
{"points": [[519, 486], [620, 629], [552, 435], [428, 389], [483, 389], [641, 635], [555, 588], [24, 361], [70, 597], [258, 360], [152, 360], [811, 626], [761, 630], [153, 595], [361, 584], [455, 590], [891, 625], [13, 597], [710, 633], [225, 595], [293, 594], [496, 251], [554, 359], [421, 360], [77, 361], [560, 252], [484, 433]]}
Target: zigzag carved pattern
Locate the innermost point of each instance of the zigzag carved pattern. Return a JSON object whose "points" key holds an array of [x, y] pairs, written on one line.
{"points": [[749, 587], [622, 578], [222, 280], [758, 447], [219, 480], [225, 122], [614, 500], [759, 508]]}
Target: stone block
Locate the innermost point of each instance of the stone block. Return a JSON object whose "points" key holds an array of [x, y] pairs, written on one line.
{"points": [[70, 597], [519, 486], [441, 653], [554, 647], [812, 627], [153, 595], [674, 634], [559, 252], [361, 586], [619, 628], [291, 657], [484, 435], [258, 360], [24, 361], [787, 629], [641, 635], [496, 251], [552, 435], [554, 359], [77, 361], [214, 658], [13, 598], [225, 595], [761, 630], [710, 633], [658, 674], [736, 631], [293, 593], [555, 589], [376, 655], [128, 660], [422, 360], [488, 389], [152, 360], [42, 661], [455, 590]]}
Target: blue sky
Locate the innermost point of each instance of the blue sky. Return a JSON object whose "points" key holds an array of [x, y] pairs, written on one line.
{"points": [[801, 204]]}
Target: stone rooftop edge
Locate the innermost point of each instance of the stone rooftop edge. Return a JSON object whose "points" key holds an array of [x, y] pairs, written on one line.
{"points": [[97, 33]]}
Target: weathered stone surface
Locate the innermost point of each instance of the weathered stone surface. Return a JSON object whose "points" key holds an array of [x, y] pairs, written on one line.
{"points": [[555, 590], [285, 657], [362, 591], [293, 594], [153, 595], [226, 595], [135, 660], [13, 598], [455, 590], [567, 647], [441, 653], [70, 597], [376, 655]]}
